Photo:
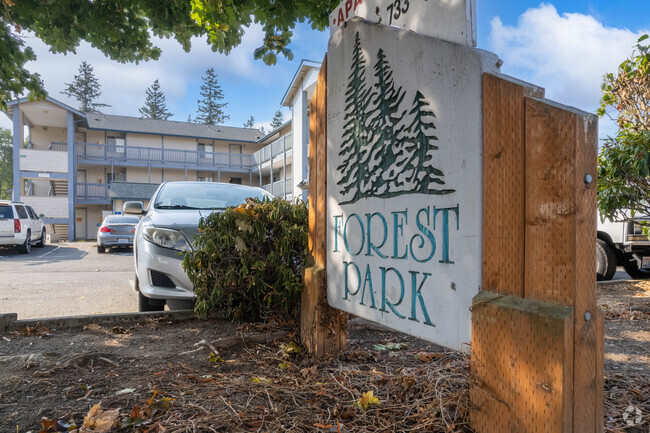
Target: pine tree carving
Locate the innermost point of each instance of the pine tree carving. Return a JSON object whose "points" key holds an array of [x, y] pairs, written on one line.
{"points": [[354, 148], [421, 173], [387, 151]]}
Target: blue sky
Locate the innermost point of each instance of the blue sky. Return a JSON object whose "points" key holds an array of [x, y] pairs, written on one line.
{"points": [[564, 46]]}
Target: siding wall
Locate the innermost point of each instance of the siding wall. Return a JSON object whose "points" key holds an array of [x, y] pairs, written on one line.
{"points": [[144, 140], [176, 175], [296, 129], [41, 139], [51, 207], [43, 161], [141, 175], [95, 137], [181, 143]]}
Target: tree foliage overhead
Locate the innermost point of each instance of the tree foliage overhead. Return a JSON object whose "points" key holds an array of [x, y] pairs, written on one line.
{"points": [[6, 164], [86, 89], [624, 160], [210, 111], [123, 29], [155, 106]]}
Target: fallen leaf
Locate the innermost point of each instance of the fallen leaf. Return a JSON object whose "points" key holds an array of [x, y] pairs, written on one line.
{"points": [[427, 356], [293, 347], [214, 358], [367, 399], [99, 421], [284, 365], [325, 426], [391, 346], [309, 371]]}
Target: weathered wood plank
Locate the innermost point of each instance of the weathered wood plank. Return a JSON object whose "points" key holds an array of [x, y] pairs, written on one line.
{"points": [[323, 329], [529, 390], [503, 186]]}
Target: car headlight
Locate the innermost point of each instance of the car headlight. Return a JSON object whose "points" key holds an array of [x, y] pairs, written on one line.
{"points": [[167, 238]]}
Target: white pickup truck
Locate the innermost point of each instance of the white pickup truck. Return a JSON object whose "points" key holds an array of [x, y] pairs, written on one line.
{"points": [[624, 244], [20, 226]]}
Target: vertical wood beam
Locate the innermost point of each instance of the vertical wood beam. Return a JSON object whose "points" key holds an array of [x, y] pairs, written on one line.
{"points": [[542, 180], [323, 329], [503, 178]]}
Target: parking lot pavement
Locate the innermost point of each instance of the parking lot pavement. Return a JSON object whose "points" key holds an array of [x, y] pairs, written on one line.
{"points": [[66, 279]]}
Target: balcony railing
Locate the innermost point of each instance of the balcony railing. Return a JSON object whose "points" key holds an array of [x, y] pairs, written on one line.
{"points": [[92, 191], [115, 153], [277, 188], [59, 147], [274, 149]]}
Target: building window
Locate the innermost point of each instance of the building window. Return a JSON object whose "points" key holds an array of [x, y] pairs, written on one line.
{"points": [[205, 179], [236, 180], [118, 142]]}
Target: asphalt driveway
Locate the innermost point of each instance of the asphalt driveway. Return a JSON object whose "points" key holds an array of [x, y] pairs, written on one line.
{"points": [[66, 279]]}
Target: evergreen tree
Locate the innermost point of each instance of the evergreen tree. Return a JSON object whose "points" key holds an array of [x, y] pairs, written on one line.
{"points": [[419, 146], [155, 106], [278, 120], [210, 111], [6, 164], [387, 153], [355, 136], [250, 123], [189, 118], [86, 89]]}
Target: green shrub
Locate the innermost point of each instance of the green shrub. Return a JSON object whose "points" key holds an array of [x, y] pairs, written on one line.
{"points": [[249, 260]]}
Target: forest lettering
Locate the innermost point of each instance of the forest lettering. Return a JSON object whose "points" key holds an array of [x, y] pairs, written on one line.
{"points": [[399, 237]]}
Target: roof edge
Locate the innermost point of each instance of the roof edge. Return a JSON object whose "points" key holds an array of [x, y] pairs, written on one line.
{"points": [[49, 99], [303, 64]]}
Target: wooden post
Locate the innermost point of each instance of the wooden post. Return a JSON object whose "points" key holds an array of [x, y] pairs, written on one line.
{"points": [[323, 329], [537, 335]]}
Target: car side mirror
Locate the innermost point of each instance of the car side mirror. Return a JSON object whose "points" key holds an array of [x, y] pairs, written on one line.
{"points": [[42, 215], [133, 207]]}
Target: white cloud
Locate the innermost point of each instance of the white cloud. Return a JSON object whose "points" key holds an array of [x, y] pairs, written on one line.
{"points": [[567, 54]]}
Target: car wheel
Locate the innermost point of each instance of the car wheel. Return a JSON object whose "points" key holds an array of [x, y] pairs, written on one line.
{"points": [[41, 241], [100, 249], [605, 261], [632, 268], [180, 304], [145, 304], [27, 246]]}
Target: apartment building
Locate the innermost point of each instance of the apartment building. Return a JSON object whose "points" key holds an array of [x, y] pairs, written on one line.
{"points": [[76, 167]]}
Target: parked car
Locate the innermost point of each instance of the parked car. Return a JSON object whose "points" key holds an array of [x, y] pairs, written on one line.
{"points": [[20, 226], [168, 229], [116, 231], [622, 244]]}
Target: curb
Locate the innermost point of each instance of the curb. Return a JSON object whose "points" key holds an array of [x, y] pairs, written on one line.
{"points": [[10, 322], [612, 282]]}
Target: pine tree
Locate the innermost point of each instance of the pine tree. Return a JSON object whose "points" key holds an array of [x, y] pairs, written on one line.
{"points": [[189, 118], [278, 120], [250, 123], [419, 145], [210, 111], [86, 89], [155, 106], [355, 137], [387, 154]]}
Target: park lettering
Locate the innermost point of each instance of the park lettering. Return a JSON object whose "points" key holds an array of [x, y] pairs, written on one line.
{"points": [[404, 236]]}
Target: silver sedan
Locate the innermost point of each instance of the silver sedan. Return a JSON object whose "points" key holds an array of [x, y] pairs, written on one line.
{"points": [[116, 231], [168, 229]]}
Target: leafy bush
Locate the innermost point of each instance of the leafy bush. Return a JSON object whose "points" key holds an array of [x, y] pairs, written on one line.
{"points": [[250, 259]]}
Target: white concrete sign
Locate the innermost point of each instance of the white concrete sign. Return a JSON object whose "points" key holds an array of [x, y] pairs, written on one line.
{"points": [[450, 20], [404, 189]]}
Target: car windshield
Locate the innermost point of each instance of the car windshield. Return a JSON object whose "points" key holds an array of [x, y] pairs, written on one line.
{"points": [[205, 195], [121, 220]]}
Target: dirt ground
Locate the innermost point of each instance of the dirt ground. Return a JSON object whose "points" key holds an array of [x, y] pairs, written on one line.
{"points": [[50, 380]]}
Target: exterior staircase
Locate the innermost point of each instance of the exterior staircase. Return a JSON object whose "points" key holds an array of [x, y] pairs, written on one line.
{"points": [[61, 230], [58, 187]]}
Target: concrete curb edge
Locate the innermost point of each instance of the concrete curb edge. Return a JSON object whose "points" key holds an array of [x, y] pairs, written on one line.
{"points": [[10, 322]]}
